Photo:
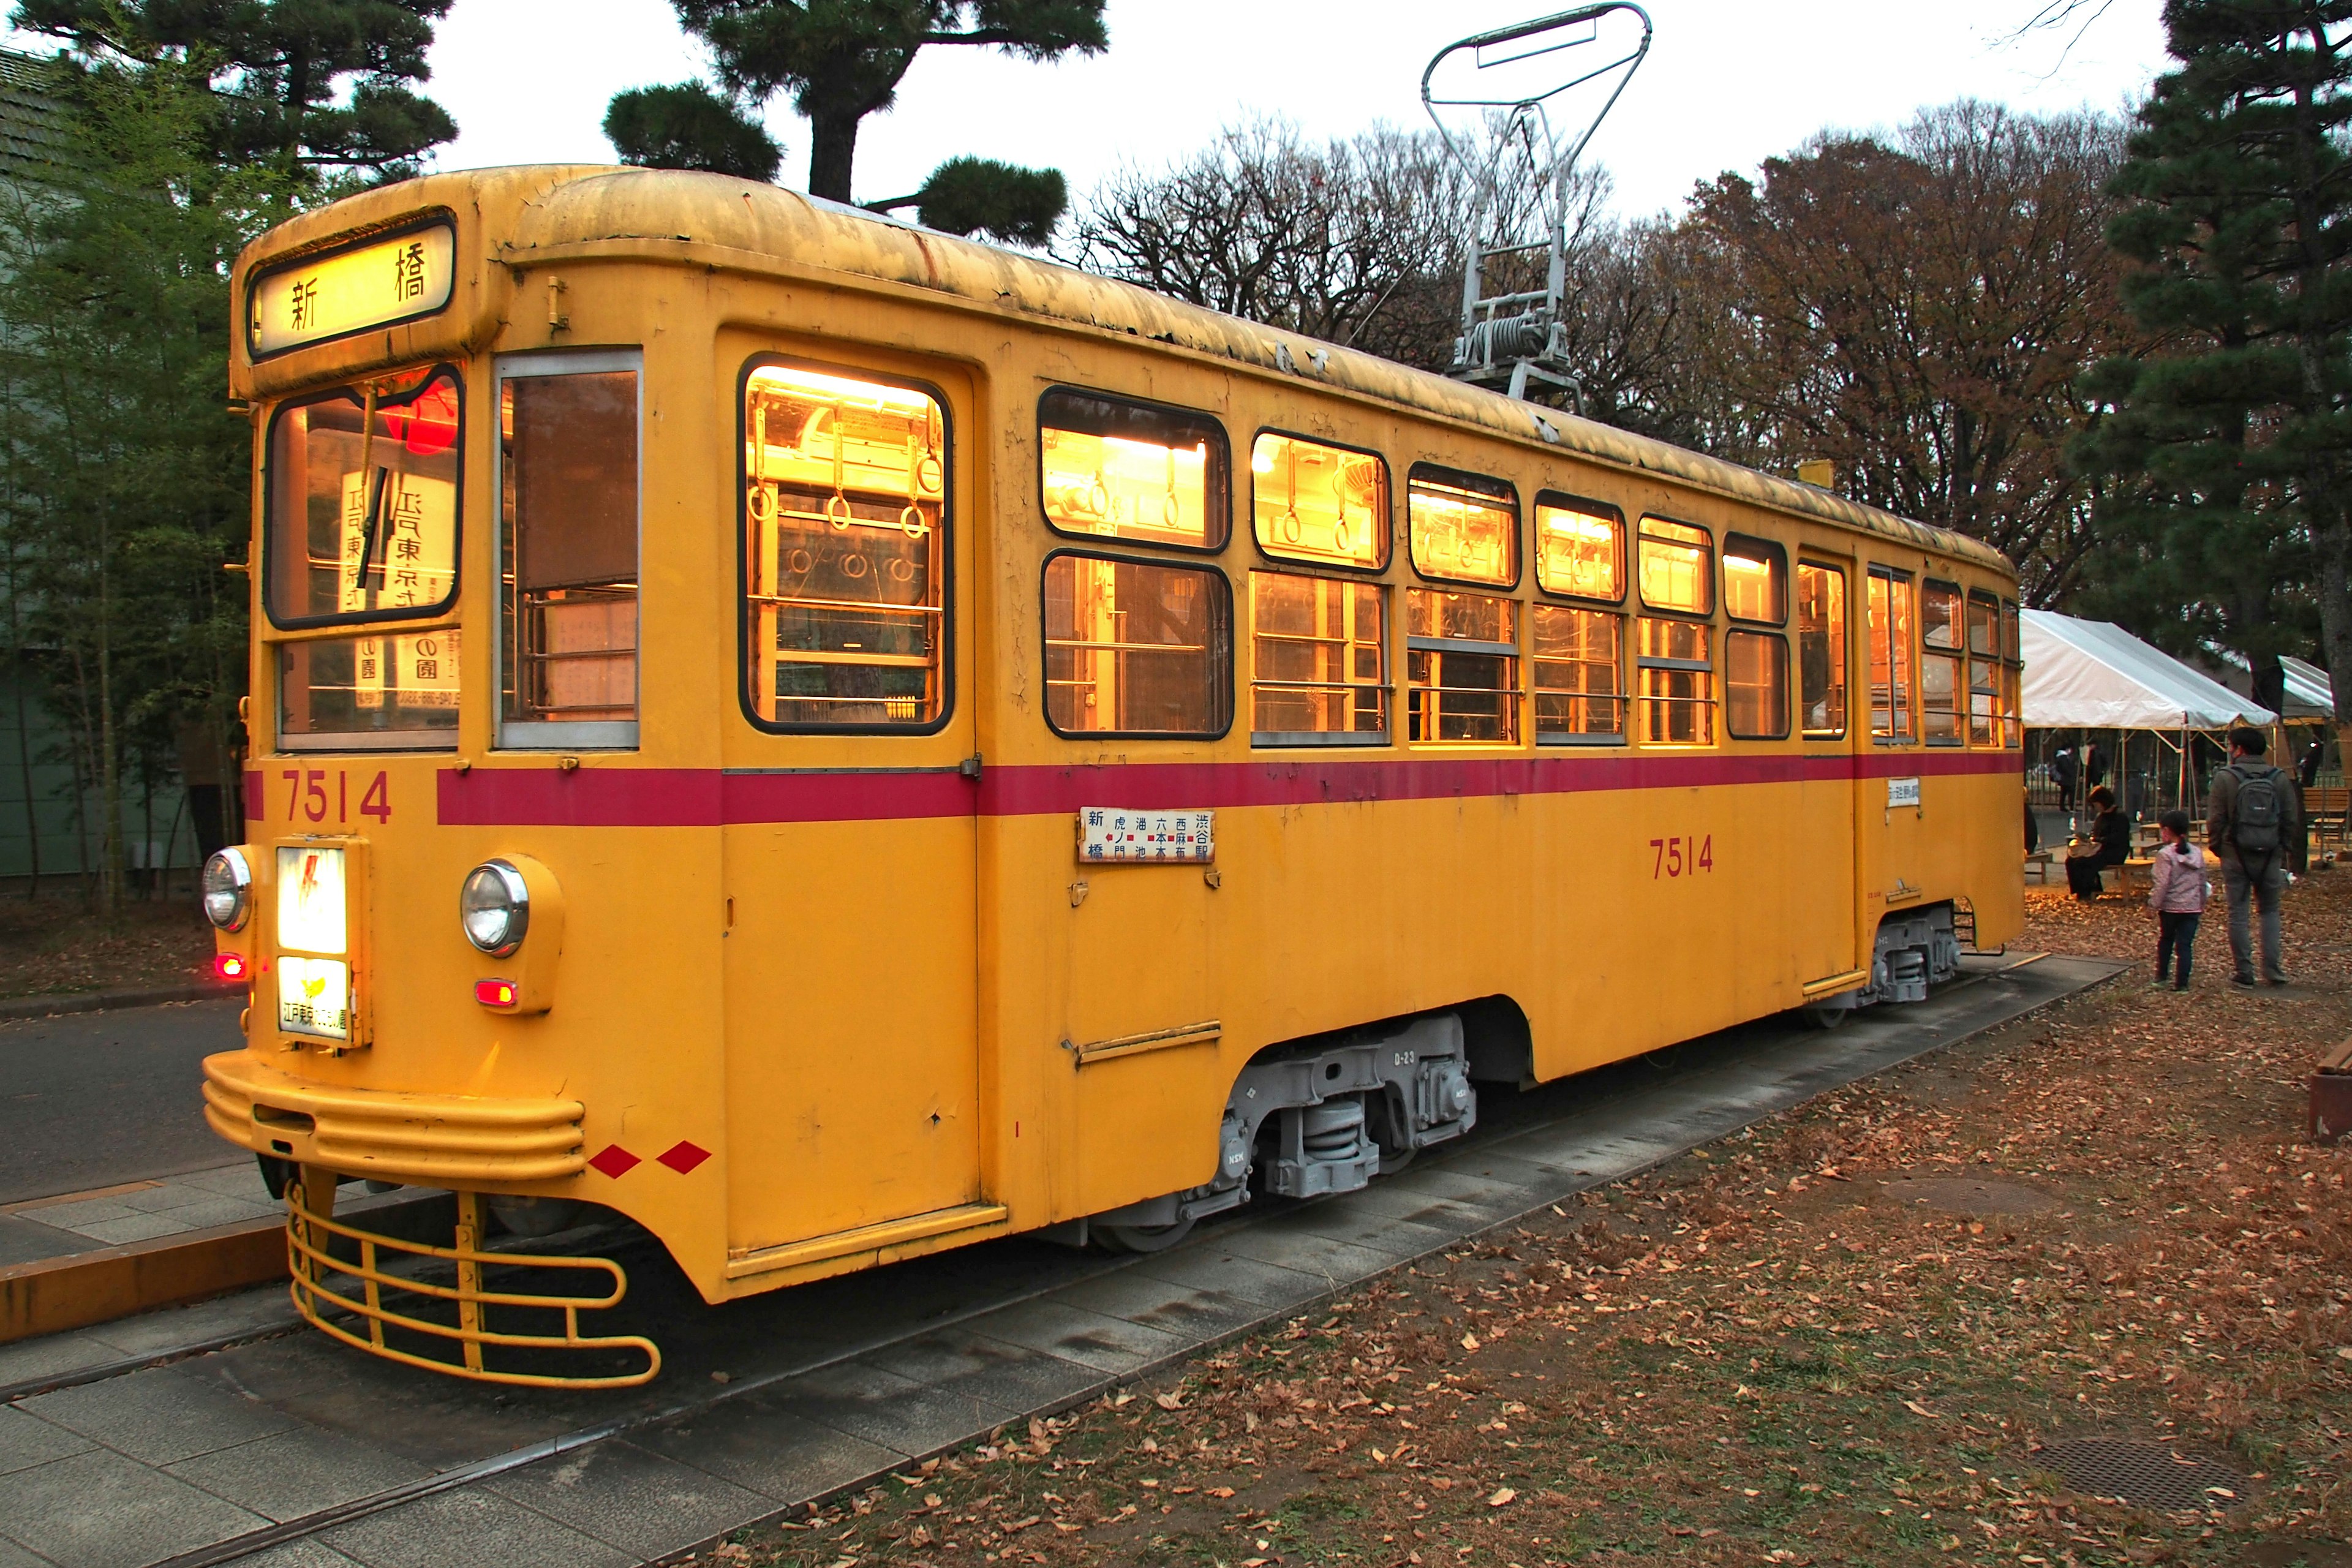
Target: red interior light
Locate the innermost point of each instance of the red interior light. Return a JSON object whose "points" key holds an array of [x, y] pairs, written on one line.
{"points": [[495, 993], [229, 965]]}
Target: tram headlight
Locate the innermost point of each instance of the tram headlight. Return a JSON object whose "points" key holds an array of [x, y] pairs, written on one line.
{"points": [[229, 889], [495, 908]]}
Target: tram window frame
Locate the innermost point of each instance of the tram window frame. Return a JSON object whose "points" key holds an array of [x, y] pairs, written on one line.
{"points": [[1773, 557], [1437, 478], [1216, 479], [1219, 649], [1838, 671], [1580, 506], [1703, 544], [1986, 659], [1902, 656], [1576, 698], [747, 621], [551, 734], [1943, 646], [1778, 655], [1424, 697], [272, 532], [1705, 704], [1384, 684], [2012, 663], [1275, 555]]}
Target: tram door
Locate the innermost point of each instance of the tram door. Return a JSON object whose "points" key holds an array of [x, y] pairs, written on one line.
{"points": [[1825, 901], [852, 848]]}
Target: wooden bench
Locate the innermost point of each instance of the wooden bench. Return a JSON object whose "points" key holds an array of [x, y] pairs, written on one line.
{"points": [[2038, 865]]}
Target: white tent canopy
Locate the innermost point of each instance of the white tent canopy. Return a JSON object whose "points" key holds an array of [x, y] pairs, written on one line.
{"points": [[2309, 694], [2094, 675]]}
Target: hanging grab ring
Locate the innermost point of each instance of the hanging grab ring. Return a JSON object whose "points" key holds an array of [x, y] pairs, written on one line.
{"points": [[836, 511], [911, 519], [1290, 527], [928, 473], [761, 504]]}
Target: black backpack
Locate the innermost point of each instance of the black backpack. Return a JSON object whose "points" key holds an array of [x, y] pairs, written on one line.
{"points": [[2256, 822]]}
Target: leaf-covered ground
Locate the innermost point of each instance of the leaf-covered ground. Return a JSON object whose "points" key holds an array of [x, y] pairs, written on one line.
{"points": [[55, 944], [1847, 1336]]}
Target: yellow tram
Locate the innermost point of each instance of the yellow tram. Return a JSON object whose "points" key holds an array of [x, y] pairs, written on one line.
{"points": [[836, 743]]}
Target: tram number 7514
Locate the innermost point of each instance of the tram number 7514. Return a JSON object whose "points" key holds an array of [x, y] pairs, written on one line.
{"points": [[1681, 856], [313, 795]]}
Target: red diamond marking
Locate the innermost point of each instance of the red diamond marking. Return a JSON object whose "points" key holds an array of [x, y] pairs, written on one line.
{"points": [[615, 1161], [683, 1156]]}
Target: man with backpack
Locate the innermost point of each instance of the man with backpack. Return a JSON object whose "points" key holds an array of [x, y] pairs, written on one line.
{"points": [[2255, 816]]}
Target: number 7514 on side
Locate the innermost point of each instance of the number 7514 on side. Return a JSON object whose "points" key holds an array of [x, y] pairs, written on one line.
{"points": [[1681, 856]]}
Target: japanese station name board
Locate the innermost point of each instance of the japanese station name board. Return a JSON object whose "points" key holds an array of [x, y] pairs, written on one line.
{"points": [[380, 283], [1108, 833]]}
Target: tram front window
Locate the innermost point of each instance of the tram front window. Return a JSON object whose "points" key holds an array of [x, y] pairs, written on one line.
{"points": [[363, 529], [845, 503]]}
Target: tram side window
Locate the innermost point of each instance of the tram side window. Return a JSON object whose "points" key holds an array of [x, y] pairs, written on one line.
{"points": [[1984, 670], [1578, 658], [1890, 655], [1132, 471], [1677, 689], [2012, 678], [1319, 674], [568, 555], [1756, 686], [1325, 505], [1754, 580], [1462, 656], [1464, 527], [1135, 648], [1580, 548], [1942, 680], [1821, 648], [845, 509], [1677, 567]]}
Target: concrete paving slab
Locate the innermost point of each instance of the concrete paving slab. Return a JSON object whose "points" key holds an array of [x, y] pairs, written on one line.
{"points": [[469, 1528], [884, 1409], [757, 1443], [299, 1555], [295, 1473], [1162, 1304], [997, 1370], [74, 1214], [101, 1510], [643, 1502], [27, 1440], [31, 1361], [1208, 1263], [15, 1556], [1106, 1345], [1282, 1240], [1432, 1211], [1359, 1225], [240, 1180], [254, 1311], [131, 1227], [161, 1414]]}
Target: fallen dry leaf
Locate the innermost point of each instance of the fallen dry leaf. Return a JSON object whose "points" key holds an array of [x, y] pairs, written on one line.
{"points": [[1502, 1496]]}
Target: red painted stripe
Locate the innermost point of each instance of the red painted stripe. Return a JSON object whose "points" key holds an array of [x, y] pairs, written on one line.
{"points": [[254, 799], [707, 797]]}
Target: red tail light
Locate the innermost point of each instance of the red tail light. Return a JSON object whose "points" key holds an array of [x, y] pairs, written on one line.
{"points": [[229, 965], [495, 993]]}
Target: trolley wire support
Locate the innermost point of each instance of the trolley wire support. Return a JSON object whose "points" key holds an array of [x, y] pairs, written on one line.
{"points": [[1514, 336], [320, 1293]]}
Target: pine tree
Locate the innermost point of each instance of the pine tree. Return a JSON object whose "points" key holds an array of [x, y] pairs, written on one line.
{"points": [[688, 126], [842, 60], [2227, 449]]}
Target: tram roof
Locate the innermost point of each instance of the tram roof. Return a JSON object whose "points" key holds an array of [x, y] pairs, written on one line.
{"points": [[570, 213]]}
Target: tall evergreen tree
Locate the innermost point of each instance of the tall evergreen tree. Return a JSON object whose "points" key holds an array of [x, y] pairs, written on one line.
{"points": [[842, 60], [2230, 446], [283, 68]]}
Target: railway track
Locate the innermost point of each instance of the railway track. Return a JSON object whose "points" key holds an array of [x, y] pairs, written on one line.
{"points": [[278, 1447]]}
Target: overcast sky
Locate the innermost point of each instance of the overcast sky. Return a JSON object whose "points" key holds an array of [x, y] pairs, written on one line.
{"points": [[1726, 84]]}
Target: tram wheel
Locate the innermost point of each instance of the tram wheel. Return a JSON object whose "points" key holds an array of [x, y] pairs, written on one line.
{"points": [[1143, 1237], [1826, 1018], [1395, 1160]]}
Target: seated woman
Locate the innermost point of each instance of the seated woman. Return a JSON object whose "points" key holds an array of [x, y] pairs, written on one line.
{"points": [[2111, 837]]}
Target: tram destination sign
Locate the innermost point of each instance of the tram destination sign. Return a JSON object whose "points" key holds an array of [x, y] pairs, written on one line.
{"points": [[377, 283], [1108, 832]]}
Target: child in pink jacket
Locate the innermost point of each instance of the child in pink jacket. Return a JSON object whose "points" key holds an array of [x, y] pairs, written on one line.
{"points": [[2177, 892]]}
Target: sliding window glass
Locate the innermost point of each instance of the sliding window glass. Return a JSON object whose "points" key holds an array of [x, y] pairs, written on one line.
{"points": [[1319, 673], [568, 453], [1677, 567], [1137, 648], [1464, 528], [2013, 673], [1756, 685], [1676, 669], [1942, 679], [1325, 505], [1754, 580], [1821, 650], [1578, 665], [1580, 548], [1891, 631], [1462, 656], [1132, 471], [845, 518], [1984, 670]]}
